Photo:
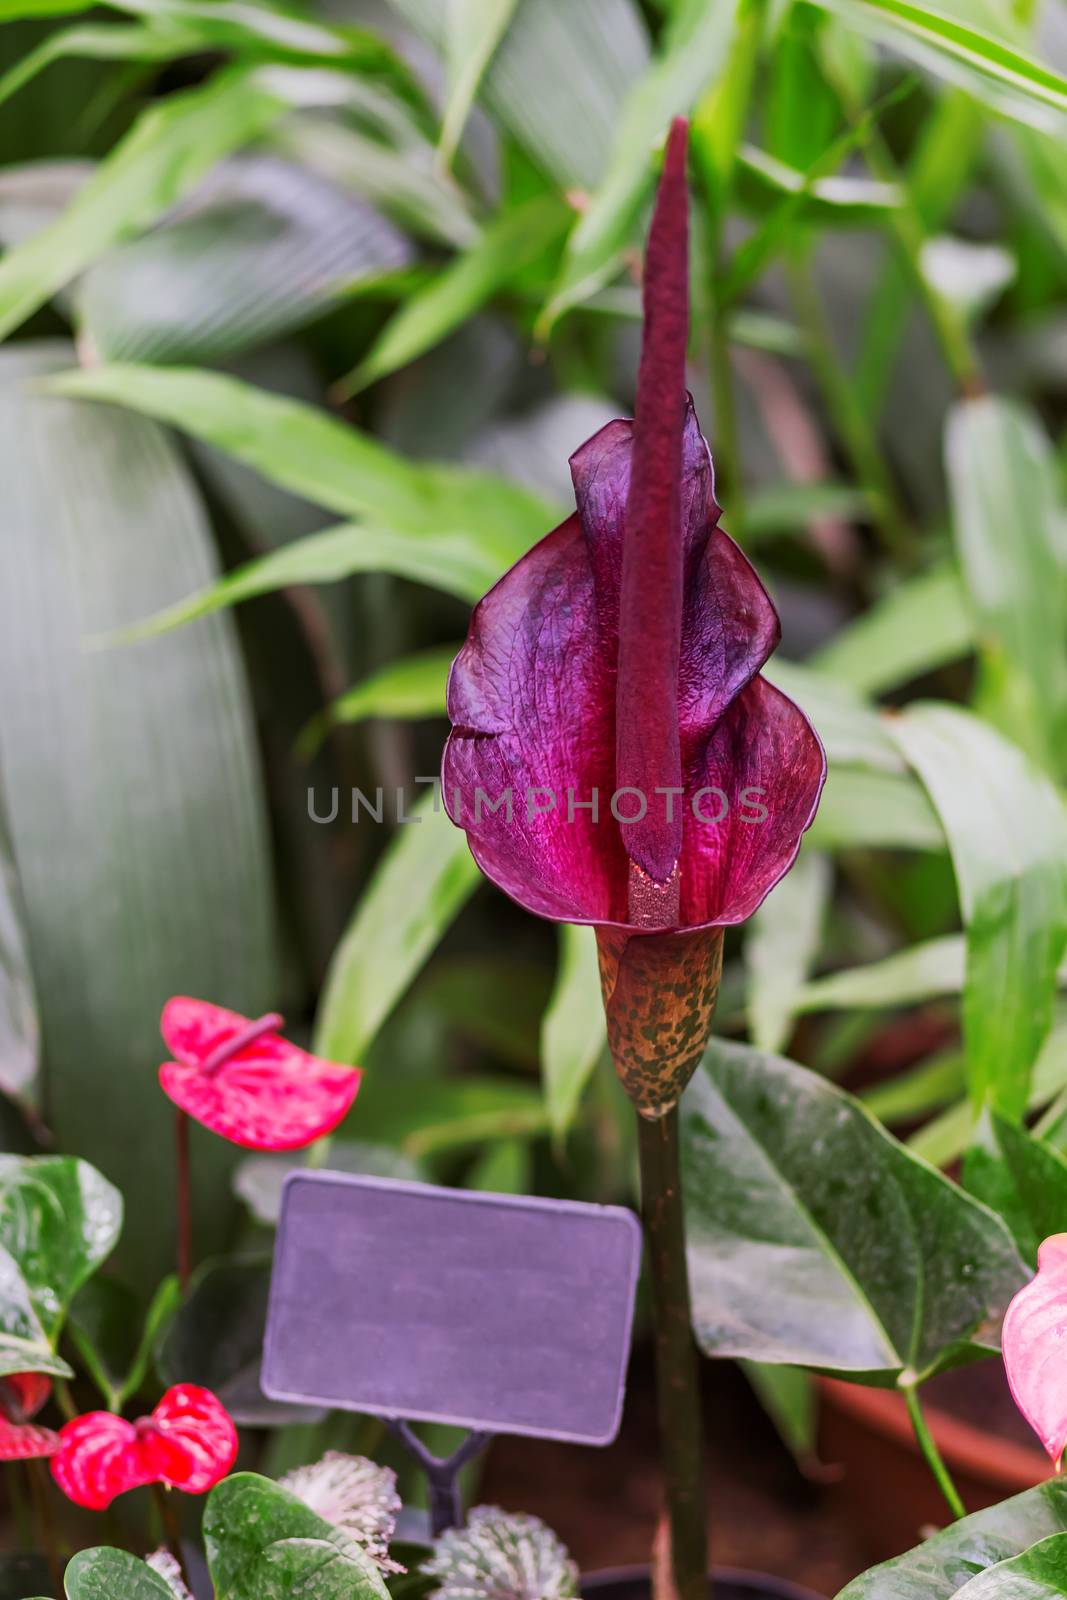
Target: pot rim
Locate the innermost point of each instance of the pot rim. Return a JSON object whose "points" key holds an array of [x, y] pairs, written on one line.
{"points": [[604, 1576]]}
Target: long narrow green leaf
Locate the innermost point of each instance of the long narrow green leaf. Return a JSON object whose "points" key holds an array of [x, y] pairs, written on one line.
{"points": [[920, 625], [167, 151], [923, 972], [692, 53], [100, 42], [475, 29], [518, 238], [419, 887], [1007, 833], [874, 810], [781, 948], [1006, 516], [409, 688], [854, 733], [20, 1028], [574, 1033], [146, 757]]}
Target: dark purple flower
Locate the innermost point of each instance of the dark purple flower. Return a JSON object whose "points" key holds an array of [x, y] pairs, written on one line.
{"points": [[613, 674]]}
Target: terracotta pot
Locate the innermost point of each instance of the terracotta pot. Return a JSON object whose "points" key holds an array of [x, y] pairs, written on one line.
{"points": [[635, 1583], [884, 1481]]}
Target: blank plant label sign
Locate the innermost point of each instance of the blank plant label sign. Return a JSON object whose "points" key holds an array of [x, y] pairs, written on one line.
{"points": [[499, 1314]]}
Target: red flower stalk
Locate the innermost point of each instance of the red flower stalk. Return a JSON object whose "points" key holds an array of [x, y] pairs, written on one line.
{"points": [[613, 674], [189, 1443], [22, 1394]]}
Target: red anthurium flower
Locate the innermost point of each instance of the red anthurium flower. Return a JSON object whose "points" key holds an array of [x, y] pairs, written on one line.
{"points": [[188, 1443], [1035, 1328], [22, 1394], [244, 1081], [615, 757]]}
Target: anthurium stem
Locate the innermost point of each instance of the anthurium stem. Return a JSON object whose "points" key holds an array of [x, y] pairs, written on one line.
{"points": [[171, 1532], [184, 1200], [930, 1451], [677, 1371]]}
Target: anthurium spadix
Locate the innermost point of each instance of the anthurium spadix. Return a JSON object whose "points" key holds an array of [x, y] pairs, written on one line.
{"points": [[616, 759]]}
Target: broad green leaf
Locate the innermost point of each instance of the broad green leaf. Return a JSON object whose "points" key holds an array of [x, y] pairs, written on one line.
{"points": [[862, 810], [781, 948], [168, 150], [1003, 78], [20, 1028], [574, 1032], [409, 688], [815, 1239], [907, 977], [107, 1574], [1040, 1573], [148, 758], [558, 80], [474, 30], [59, 1220], [853, 731], [316, 456], [1006, 514], [265, 1544], [1007, 834], [518, 238], [935, 1569], [921, 624], [692, 52], [258, 249], [419, 887], [24, 1345], [1021, 1179]]}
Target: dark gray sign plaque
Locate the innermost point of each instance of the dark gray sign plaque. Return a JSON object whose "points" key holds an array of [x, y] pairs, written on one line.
{"points": [[498, 1314]]}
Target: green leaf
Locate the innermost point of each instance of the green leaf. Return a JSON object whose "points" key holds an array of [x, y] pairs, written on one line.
{"points": [[104, 42], [1007, 835], [265, 1544], [59, 1220], [692, 52], [419, 887], [788, 1396], [934, 1569], [792, 507], [114, 1341], [170, 147], [934, 1083], [1005, 79], [24, 1345], [1040, 1573], [1021, 1179], [764, 181], [409, 688], [815, 1239], [424, 1116], [107, 1574], [559, 78], [518, 238], [474, 515], [920, 625], [782, 946], [146, 756], [20, 1029], [1006, 514], [474, 30], [258, 249], [874, 810], [907, 977], [946, 1138], [574, 1032], [854, 732]]}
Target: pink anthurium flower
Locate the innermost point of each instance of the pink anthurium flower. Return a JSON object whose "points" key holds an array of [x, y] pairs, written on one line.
{"points": [[189, 1442], [616, 757], [1034, 1344], [244, 1081], [22, 1394]]}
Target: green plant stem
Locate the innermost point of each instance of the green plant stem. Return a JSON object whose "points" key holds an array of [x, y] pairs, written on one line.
{"points": [[184, 1200], [846, 412], [930, 1451], [677, 1371]]}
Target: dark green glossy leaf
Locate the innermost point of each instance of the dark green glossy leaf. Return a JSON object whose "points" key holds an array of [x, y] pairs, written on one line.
{"points": [[113, 1575], [60, 1220], [815, 1239], [146, 756], [265, 1544], [167, 151], [1040, 1573], [940, 1566], [419, 887], [1007, 833], [1021, 1179], [24, 1345]]}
